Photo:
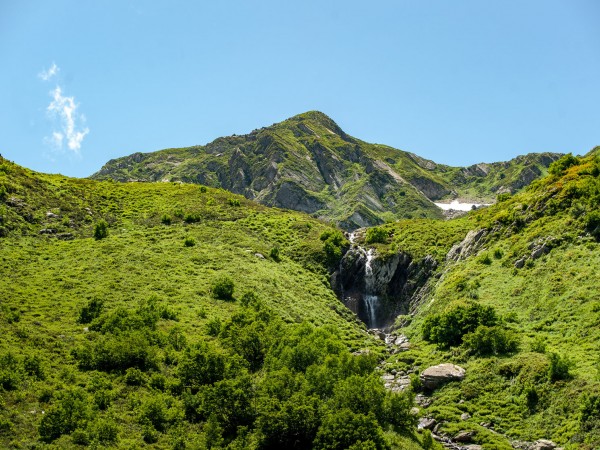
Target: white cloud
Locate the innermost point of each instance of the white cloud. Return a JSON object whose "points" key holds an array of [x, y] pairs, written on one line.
{"points": [[45, 75], [71, 132]]}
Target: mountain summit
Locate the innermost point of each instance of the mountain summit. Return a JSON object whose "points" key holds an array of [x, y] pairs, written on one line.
{"points": [[308, 163]]}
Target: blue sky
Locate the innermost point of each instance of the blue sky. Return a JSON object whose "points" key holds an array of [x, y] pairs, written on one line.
{"points": [[458, 82]]}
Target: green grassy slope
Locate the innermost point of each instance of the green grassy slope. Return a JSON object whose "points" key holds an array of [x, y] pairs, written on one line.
{"points": [[308, 163], [166, 362], [546, 301]]}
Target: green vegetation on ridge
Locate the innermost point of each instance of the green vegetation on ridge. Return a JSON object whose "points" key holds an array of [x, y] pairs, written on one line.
{"points": [[308, 163]]}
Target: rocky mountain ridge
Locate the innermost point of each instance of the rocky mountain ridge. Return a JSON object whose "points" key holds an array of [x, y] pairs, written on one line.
{"points": [[308, 163]]}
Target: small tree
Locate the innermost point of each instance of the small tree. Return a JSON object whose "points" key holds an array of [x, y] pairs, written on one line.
{"points": [[222, 288], [101, 230], [376, 235]]}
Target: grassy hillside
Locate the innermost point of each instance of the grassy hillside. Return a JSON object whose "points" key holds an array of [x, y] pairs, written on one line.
{"points": [[201, 320], [519, 309], [308, 163]]}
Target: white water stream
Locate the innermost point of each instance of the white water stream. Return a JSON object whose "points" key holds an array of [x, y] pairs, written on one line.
{"points": [[369, 297]]}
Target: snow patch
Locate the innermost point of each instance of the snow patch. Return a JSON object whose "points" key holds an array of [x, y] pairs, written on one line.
{"points": [[459, 206]]}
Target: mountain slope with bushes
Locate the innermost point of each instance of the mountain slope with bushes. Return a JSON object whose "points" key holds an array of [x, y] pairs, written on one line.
{"points": [[178, 316], [515, 302], [308, 163]]}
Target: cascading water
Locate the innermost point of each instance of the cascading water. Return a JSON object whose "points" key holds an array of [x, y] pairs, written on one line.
{"points": [[369, 297]]}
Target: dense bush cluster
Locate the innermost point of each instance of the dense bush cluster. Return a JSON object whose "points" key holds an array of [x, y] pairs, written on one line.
{"points": [[448, 328], [333, 244], [260, 383], [376, 235]]}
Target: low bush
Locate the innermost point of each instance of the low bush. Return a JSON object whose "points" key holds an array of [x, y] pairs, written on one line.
{"points": [[222, 288], [189, 242], [486, 341], [558, 368], [559, 166], [63, 417], [333, 243], [343, 429], [90, 311], [101, 230], [274, 253], [376, 235], [448, 328]]}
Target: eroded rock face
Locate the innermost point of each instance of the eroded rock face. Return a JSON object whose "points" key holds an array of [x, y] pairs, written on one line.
{"points": [[435, 376], [394, 280], [469, 245]]}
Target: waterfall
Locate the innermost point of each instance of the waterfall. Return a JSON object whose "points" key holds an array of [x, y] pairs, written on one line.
{"points": [[369, 297]]}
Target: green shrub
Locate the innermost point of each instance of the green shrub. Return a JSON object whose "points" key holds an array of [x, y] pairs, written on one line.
{"points": [[189, 242], [92, 310], [291, 423], [102, 399], [105, 431], [117, 352], [376, 235], [592, 223], [213, 327], [485, 259], [448, 328], [153, 411], [158, 381], [101, 230], [11, 373], [498, 253], [192, 218], [485, 341], [32, 365], [166, 219], [558, 368], [203, 189], [559, 166], [222, 288], [342, 429], [201, 364], [134, 377], [333, 242], [234, 202], [590, 412], [274, 253], [67, 414], [503, 197], [538, 345]]}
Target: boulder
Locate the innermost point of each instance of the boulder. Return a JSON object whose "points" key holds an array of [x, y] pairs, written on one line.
{"points": [[543, 444], [426, 423], [465, 416], [540, 251], [435, 376], [464, 436], [519, 263]]}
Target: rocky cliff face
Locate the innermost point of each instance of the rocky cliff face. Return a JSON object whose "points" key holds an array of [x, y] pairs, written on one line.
{"points": [[379, 289]]}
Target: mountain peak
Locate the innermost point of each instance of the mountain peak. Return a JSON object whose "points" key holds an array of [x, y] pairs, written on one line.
{"points": [[318, 119]]}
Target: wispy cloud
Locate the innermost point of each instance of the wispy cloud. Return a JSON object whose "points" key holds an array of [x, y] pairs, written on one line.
{"points": [[46, 75], [71, 123]]}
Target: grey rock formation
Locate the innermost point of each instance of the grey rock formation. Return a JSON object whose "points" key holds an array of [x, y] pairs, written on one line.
{"points": [[468, 246], [435, 376]]}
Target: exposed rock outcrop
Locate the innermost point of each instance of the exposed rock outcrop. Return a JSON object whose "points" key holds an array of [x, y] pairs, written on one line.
{"points": [[435, 376], [468, 246], [393, 279]]}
